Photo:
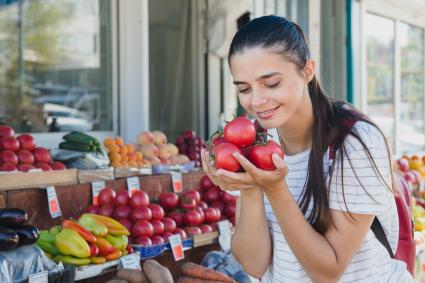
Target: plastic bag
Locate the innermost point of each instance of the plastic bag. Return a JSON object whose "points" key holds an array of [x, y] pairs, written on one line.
{"points": [[17, 264], [81, 160]]}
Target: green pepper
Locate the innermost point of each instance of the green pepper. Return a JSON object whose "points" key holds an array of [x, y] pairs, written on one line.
{"points": [[118, 241], [47, 247], [93, 225], [66, 259], [55, 229], [46, 236], [69, 242]]}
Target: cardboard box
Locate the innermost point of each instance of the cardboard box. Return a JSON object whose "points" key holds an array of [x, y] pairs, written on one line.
{"points": [[21, 180]]}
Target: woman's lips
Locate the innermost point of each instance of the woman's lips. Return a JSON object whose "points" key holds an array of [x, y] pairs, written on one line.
{"points": [[267, 114]]}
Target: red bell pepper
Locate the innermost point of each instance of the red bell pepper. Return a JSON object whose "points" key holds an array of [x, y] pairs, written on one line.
{"points": [[85, 234], [105, 248]]}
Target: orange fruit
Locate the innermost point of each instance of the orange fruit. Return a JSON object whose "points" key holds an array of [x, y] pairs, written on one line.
{"points": [[113, 148], [139, 156], [114, 156], [124, 157], [119, 141], [124, 164], [123, 149], [108, 141], [116, 164], [130, 148], [132, 163]]}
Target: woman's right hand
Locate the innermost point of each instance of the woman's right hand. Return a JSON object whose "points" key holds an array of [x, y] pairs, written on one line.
{"points": [[223, 183]]}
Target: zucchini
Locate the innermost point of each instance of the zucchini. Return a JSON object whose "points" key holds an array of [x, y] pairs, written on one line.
{"points": [[75, 146], [79, 137]]}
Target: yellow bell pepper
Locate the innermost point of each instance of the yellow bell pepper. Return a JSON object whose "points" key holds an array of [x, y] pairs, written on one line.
{"points": [[69, 242], [114, 227], [93, 225]]}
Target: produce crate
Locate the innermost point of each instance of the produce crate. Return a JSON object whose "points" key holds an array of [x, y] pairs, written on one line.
{"points": [[64, 276], [130, 172], [157, 250], [21, 180], [93, 270], [87, 176]]}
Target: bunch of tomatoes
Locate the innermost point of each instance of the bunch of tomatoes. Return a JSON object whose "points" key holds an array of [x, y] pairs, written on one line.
{"points": [[247, 138]]}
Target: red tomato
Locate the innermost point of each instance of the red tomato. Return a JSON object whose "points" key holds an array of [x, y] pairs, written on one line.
{"points": [[205, 228], [192, 230], [169, 224], [157, 240], [142, 228], [230, 209], [211, 215], [139, 198], [157, 211], [177, 217], [261, 155], [240, 132], [194, 195], [106, 196], [187, 203], [169, 200], [192, 218], [211, 195], [141, 213], [224, 157], [206, 183], [158, 226], [181, 232], [122, 198]]}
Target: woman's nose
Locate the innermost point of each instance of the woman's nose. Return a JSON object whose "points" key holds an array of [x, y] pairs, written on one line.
{"points": [[258, 99]]}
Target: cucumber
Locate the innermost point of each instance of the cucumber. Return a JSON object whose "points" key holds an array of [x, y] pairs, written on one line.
{"points": [[79, 137], [75, 146]]}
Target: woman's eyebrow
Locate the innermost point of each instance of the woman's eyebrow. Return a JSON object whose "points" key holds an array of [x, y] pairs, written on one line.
{"points": [[266, 76]]}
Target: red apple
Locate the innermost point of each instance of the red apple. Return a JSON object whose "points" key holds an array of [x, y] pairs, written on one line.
{"points": [[169, 224], [9, 143], [8, 156], [25, 156], [157, 211], [139, 198], [6, 131], [41, 154], [107, 196], [26, 141], [8, 167], [158, 226], [57, 165], [25, 167], [143, 241], [141, 213], [122, 198]]}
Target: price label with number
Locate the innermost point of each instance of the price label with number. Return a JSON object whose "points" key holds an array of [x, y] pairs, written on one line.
{"points": [[52, 199], [133, 185], [176, 178], [96, 187], [40, 277], [225, 234], [176, 246], [131, 261]]}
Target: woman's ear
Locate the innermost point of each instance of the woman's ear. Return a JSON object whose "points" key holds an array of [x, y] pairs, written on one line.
{"points": [[309, 69]]}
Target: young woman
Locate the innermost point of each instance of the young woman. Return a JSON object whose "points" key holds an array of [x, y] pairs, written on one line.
{"points": [[310, 219]]}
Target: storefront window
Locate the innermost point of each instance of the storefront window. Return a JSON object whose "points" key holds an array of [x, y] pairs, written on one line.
{"points": [[411, 130], [56, 65], [380, 72]]}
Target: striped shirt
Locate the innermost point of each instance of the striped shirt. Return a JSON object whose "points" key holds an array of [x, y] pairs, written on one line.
{"points": [[372, 262]]}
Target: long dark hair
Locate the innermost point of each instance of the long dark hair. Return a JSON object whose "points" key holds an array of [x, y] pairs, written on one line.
{"points": [[286, 38]]}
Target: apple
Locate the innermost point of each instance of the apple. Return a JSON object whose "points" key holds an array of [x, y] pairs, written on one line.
{"points": [[9, 143], [121, 211], [126, 223], [57, 165], [25, 167], [145, 138], [157, 211], [172, 149], [41, 154], [6, 131], [8, 156], [25, 156], [8, 167], [26, 141], [149, 150], [169, 224]]}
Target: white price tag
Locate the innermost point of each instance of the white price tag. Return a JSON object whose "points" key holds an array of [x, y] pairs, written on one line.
{"points": [[176, 178], [176, 246], [225, 235], [133, 185], [131, 261], [52, 199], [96, 187], [41, 277]]}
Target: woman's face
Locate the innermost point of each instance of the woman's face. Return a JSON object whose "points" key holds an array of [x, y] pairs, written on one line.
{"points": [[270, 87]]}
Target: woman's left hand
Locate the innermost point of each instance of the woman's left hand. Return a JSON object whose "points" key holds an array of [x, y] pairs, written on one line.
{"points": [[255, 177]]}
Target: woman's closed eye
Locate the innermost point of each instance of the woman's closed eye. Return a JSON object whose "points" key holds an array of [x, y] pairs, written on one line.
{"points": [[272, 84], [244, 90]]}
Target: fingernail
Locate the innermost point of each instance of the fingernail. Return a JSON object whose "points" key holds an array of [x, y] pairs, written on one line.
{"points": [[235, 154]]}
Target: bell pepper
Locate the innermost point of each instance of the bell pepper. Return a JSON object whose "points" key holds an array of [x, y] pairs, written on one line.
{"points": [[94, 250], [48, 247], [114, 227], [69, 242], [96, 227], [46, 242], [55, 229], [67, 259], [86, 235], [104, 246], [97, 259], [129, 249], [114, 255], [119, 241]]}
